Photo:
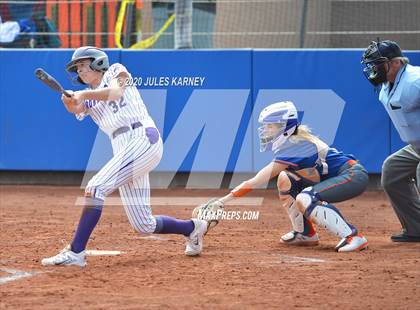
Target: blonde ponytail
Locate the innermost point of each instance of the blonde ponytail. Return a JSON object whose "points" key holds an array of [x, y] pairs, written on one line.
{"points": [[304, 133]]}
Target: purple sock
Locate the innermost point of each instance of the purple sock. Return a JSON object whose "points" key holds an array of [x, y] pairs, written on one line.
{"points": [[170, 225], [88, 220]]}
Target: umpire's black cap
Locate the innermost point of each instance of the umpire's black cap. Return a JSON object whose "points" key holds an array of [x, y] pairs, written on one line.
{"points": [[378, 52], [389, 49]]}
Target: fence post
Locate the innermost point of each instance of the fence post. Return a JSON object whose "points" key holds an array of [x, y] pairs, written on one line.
{"points": [[128, 24], [63, 23], [303, 23], [183, 24]]}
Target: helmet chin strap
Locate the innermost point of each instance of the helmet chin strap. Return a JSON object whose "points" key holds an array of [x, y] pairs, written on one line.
{"points": [[280, 140]]}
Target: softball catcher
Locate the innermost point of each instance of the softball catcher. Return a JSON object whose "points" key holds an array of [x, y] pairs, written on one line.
{"points": [[310, 177]]}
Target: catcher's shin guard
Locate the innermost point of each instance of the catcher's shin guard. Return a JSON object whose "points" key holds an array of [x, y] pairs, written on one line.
{"points": [[287, 185], [288, 188], [324, 214], [299, 222], [295, 217]]}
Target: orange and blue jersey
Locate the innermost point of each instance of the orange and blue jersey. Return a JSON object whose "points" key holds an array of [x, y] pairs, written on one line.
{"points": [[304, 154]]}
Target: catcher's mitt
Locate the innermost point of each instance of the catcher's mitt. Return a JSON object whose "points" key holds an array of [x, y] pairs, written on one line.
{"points": [[211, 211]]}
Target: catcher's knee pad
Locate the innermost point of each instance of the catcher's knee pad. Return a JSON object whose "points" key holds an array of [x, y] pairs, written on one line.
{"points": [[307, 199], [289, 184], [284, 185]]}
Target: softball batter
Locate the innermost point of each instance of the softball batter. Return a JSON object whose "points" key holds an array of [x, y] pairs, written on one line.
{"points": [[310, 175], [118, 110]]}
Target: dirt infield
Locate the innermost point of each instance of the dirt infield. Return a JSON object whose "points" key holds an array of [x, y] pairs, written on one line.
{"points": [[243, 264]]}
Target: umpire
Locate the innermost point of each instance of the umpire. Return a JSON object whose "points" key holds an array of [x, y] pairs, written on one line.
{"points": [[387, 67]]}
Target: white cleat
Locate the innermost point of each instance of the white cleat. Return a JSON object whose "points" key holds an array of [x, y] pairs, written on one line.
{"points": [[352, 243], [66, 258], [194, 244], [297, 238]]}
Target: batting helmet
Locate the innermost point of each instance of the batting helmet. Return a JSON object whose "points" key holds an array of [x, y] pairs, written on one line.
{"points": [[99, 59], [285, 118]]}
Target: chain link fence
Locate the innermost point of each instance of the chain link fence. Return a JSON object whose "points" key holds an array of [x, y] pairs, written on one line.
{"points": [[167, 24]]}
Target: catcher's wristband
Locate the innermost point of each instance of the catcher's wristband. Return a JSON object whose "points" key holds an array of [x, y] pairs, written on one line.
{"points": [[241, 190]]}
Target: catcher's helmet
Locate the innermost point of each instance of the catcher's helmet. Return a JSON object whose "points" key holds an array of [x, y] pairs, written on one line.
{"points": [[285, 117], [374, 58], [100, 60]]}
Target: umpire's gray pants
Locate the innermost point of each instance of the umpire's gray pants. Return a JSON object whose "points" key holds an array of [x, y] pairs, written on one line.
{"points": [[398, 173]]}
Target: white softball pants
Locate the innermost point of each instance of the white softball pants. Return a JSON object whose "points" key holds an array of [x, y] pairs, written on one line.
{"points": [[134, 157]]}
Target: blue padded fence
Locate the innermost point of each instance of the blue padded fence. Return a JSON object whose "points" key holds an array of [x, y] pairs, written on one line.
{"points": [[205, 103]]}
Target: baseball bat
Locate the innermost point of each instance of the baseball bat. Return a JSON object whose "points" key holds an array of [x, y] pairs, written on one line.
{"points": [[51, 82]]}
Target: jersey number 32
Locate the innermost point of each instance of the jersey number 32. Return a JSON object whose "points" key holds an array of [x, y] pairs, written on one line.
{"points": [[116, 105]]}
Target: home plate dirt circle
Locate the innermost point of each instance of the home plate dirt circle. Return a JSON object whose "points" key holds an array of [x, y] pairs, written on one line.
{"points": [[8, 275]]}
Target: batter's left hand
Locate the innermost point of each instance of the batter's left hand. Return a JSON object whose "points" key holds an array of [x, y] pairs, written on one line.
{"points": [[67, 100], [78, 96], [73, 103]]}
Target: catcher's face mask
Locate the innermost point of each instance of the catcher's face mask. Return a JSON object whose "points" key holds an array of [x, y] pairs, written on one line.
{"points": [[269, 132], [278, 121]]}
